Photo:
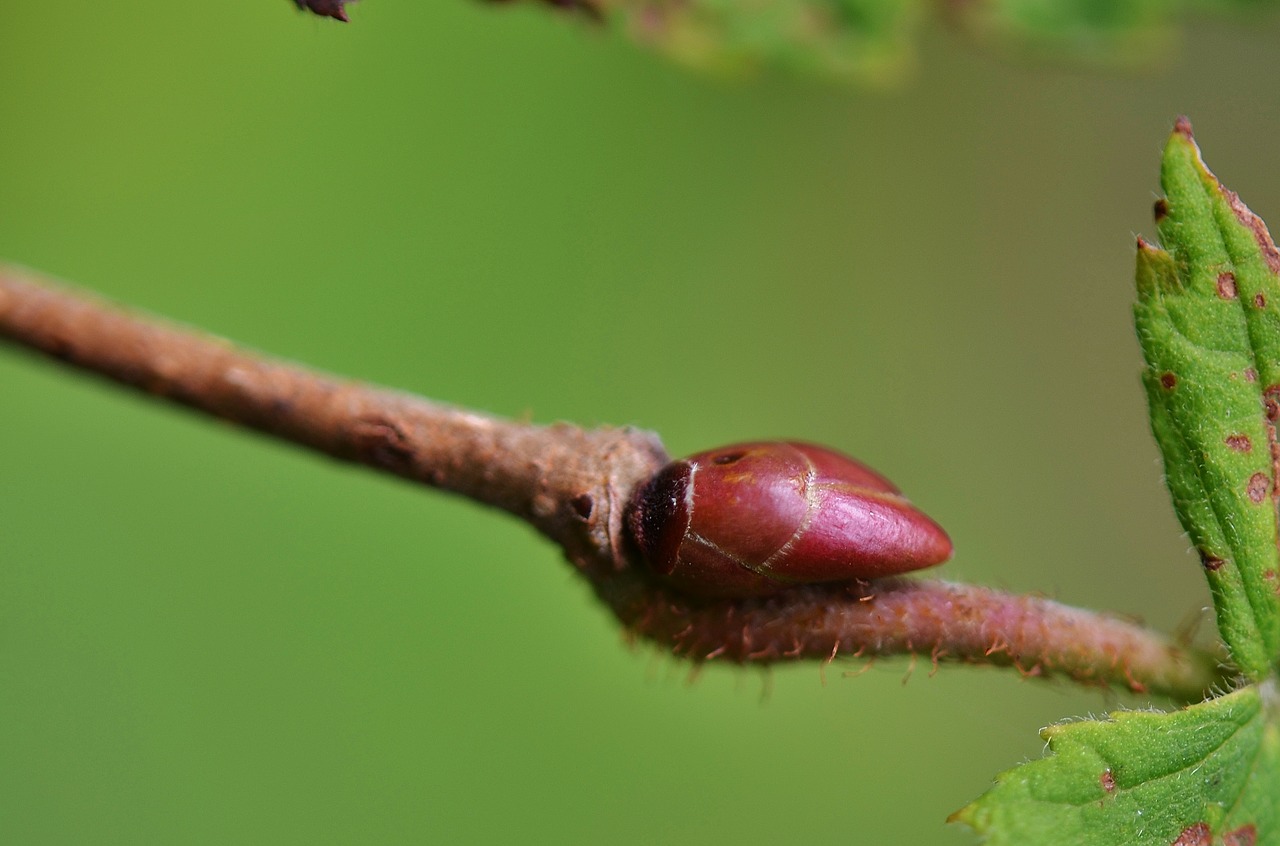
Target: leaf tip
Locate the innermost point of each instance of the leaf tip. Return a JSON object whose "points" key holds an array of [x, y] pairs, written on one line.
{"points": [[1182, 126], [964, 816], [1181, 151], [1153, 269]]}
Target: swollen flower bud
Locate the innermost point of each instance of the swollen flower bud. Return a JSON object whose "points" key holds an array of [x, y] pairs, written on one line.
{"points": [[753, 519]]}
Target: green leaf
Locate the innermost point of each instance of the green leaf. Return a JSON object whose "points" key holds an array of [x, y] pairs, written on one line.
{"points": [[1208, 319], [874, 40], [1101, 31], [1206, 775]]}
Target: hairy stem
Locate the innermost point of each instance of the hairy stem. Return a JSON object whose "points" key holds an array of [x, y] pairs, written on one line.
{"points": [[944, 621], [573, 484]]}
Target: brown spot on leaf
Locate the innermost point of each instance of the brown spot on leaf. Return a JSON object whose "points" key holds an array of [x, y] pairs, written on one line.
{"points": [[1239, 442], [1271, 397], [1210, 561], [1108, 781], [1161, 210], [1245, 835], [1227, 285], [1260, 300], [1273, 577], [1195, 835], [1250, 375], [1258, 484], [1168, 381], [1182, 126]]}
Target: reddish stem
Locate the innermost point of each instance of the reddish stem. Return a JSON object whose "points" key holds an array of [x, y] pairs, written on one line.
{"points": [[946, 621], [573, 484]]}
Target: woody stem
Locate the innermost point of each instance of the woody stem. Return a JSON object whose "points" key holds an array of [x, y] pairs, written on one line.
{"points": [[573, 485]]}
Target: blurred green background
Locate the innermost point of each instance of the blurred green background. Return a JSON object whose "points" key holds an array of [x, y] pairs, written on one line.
{"points": [[209, 638]]}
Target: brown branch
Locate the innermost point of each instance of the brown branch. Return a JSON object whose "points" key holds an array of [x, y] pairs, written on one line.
{"points": [[549, 476], [573, 484]]}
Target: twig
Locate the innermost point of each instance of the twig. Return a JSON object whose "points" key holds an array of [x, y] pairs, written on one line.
{"points": [[573, 485]]}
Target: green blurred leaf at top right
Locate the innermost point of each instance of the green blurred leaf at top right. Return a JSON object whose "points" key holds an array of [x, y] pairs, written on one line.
{"points": [[875, 41], [1208, 319]]}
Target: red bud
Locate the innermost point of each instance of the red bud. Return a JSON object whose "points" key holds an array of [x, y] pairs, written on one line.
{"points": [[752, 519]]}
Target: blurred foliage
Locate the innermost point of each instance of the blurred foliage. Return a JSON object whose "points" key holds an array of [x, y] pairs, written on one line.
{"points": [[209, 638], [875, 40]]}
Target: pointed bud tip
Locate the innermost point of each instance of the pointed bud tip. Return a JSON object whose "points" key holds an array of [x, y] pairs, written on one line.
{"points": [[942, 547], [1182, 126]]}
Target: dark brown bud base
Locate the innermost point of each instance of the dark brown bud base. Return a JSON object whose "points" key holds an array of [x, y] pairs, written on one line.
{"points": [[753, 519]]}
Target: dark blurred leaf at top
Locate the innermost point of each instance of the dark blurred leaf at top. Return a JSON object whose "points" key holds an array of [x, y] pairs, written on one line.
{"points": [[325, 8]]}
